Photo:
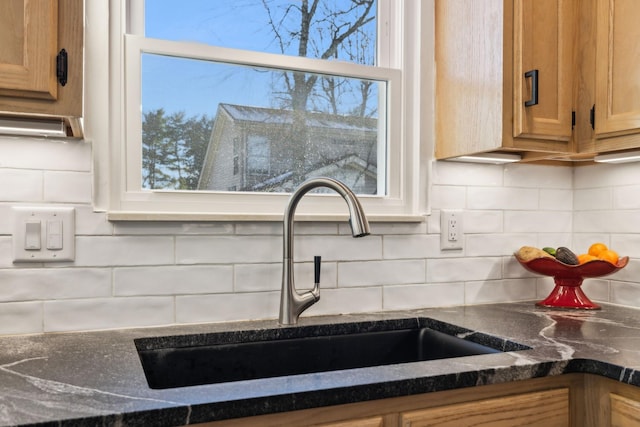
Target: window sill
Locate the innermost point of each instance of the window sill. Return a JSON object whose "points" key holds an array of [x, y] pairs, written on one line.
{"points": [[116, 216]]}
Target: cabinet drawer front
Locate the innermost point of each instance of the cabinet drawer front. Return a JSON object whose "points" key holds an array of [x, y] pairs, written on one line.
{"points": [[548, 408]]}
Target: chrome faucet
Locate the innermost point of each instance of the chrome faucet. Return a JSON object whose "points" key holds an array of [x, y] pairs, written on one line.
{"points": [[292, 304]]}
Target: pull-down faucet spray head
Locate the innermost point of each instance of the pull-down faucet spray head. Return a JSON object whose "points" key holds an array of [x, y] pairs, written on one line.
{"points": [[292, 304]]}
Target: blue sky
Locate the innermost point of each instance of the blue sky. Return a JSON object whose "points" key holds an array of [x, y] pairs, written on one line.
{"points": [[197, 87]]}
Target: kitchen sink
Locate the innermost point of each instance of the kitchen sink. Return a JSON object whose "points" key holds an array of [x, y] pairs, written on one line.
{"points": [[189, 360]]}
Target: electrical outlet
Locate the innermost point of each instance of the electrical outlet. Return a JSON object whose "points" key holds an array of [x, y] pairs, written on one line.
{"points": [[451, 230]]}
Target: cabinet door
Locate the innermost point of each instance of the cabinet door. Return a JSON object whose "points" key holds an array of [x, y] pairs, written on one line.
{"points": [[364, 422], [29, 34], [543, 54], [544, 409], [625, 412], [617, 107]]}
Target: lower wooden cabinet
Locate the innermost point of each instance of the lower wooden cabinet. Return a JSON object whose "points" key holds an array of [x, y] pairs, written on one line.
{"points": [[625, 412], [548, 408], [609, 403], [362, 422], [573, 400], [548, 401]]}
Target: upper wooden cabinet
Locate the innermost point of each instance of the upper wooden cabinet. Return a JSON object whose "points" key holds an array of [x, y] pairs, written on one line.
{"points": [[504, 76], [543, 61], [617, 67], [32, 35], [610, 70]]}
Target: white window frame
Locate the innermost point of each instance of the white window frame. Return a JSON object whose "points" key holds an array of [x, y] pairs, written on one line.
{"points": [[113, 116]]}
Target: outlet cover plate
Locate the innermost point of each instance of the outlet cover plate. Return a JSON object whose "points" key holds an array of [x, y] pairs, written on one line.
{"points": [[451, 230]]}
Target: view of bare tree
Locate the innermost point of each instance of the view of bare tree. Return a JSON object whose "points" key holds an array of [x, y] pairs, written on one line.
{"points": [[174, 146]]}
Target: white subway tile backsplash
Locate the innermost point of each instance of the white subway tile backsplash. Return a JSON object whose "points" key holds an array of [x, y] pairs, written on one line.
{"points": [[90, 223], [337, 248], [538, 221], [625, 293], [556, 239], [6, 252], [404, 228], [21, 317], [259, 277], [627, 197], [610, 221], [411, 247], [596, 289], [626, 244], [540, 176], [544, 286], [590, 199], [151, 273], [67, 187], [511, 269], [556, 199], [493, 244], [172, 280], [32, 284], [21, 185], [489, 198], [410, 297], [506, 290], [124, 251], [467, 174], [227, 249], [347, 300], [606, 175], [255, 228], [227, 307], [628, 274], [483, 222], [173, 228], [463, 269], [44, 154], [107, 313], [6, 225], [268, 277], [448, 197], [374, 273]]}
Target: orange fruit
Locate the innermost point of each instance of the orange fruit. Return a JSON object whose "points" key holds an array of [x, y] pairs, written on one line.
{"points": [[609, 255], [596, 248], [582, 258]]}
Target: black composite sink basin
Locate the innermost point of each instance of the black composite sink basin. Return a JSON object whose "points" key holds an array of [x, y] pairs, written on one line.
{"points": [[181, 361]]}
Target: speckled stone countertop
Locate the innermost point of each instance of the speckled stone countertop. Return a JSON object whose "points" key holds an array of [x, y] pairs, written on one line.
{"points": [[96, 378]]}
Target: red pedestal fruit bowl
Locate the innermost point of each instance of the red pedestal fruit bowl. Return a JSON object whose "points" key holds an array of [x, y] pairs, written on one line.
{"points": [[567, 292]]}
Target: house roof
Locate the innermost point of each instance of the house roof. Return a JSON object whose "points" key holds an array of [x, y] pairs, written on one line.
{"points": [[313, 119], [351, 161]]}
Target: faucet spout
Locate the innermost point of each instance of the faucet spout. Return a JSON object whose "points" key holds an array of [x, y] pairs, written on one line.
{"points": [[292, 304]]}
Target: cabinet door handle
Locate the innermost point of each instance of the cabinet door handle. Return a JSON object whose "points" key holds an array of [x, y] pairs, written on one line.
{"points": [[534, 88]]}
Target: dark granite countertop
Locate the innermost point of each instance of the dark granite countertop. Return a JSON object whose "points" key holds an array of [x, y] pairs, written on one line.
{"points": [[96, 378]]}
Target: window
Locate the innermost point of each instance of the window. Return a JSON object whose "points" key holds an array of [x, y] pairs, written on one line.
{"points": [[258, 155], [243, 111]]}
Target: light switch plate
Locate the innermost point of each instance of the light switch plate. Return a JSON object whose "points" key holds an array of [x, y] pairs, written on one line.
{"points": [[57, 234]]}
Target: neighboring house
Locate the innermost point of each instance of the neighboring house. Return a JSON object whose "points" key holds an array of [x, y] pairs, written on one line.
{"points": [[257, 149]]}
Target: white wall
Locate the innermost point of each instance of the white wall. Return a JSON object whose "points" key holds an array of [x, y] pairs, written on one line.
{"points": [[143, 274]]}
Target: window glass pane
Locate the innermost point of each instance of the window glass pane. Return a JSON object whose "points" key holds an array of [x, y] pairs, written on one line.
{"points": [[325, 29], [224, 127], [258, 155]]}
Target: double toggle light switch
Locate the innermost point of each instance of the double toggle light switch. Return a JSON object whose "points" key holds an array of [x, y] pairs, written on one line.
{"points": [[43, 234]]}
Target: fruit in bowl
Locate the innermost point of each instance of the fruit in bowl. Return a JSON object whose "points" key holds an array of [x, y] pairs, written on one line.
{"points": [[597, 251]]}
